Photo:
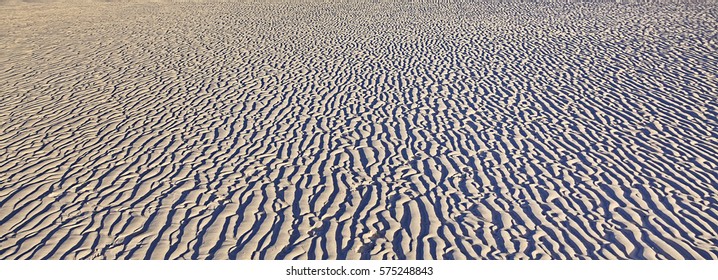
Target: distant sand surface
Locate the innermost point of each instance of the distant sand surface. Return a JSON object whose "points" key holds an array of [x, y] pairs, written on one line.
{"points": [[359, 130]]}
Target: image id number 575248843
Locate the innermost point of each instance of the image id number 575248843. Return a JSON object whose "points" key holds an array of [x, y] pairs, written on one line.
{"points": [[413, 270]]}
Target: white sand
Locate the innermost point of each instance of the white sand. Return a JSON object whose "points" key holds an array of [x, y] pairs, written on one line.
{"points": [[348, 130]]}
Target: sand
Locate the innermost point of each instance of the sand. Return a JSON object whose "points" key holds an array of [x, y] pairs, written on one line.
{"points": [[359, 130]]}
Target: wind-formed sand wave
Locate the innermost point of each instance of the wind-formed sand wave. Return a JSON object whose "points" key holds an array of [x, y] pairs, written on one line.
{"points": [[348, 130]]}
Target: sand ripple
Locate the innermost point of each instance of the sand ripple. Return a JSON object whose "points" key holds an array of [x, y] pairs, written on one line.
{"points": [[348, 130]]}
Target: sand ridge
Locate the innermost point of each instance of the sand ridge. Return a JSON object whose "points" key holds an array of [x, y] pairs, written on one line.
{"points": [[358, 130]]}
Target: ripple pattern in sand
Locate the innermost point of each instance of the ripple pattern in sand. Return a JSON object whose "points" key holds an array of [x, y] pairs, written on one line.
{"points": [[351, 130]]}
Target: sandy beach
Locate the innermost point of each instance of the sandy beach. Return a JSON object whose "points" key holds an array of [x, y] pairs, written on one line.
{"points": [[358, 129]]}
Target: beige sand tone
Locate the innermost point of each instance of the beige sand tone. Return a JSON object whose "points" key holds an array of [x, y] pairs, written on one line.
{"points": [[319, 130]]}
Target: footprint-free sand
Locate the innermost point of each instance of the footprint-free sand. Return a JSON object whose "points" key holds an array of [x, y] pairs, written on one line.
{"points": [[359, 130]]}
